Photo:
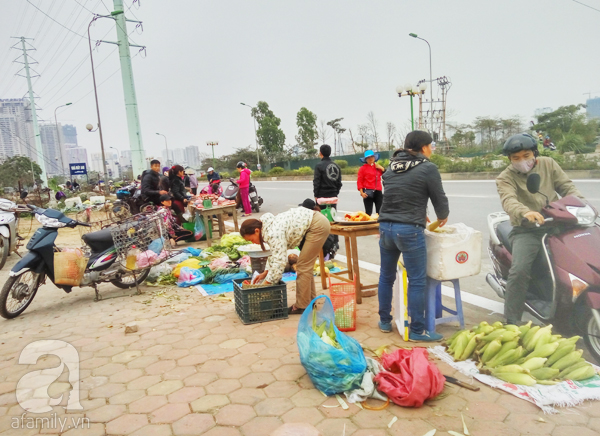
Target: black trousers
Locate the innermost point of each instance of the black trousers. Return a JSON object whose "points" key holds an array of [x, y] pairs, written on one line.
{"points": [[377, 200]]}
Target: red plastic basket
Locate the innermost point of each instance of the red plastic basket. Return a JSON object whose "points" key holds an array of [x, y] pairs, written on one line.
{"points": [[343, 299]]}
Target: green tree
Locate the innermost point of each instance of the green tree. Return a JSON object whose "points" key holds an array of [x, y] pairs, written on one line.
{"points": [[16, 170], [270, 136], [568, 127], [307, 131]]}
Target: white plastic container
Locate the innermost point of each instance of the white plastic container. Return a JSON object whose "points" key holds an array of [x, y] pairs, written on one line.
{"points": [[453, 255], [98, 199]]}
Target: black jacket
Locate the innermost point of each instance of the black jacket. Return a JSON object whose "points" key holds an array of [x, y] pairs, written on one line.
{"points": [[177, 188], [408, 186], [214, 176], [164, 184], [150, 183], [328, 179]]}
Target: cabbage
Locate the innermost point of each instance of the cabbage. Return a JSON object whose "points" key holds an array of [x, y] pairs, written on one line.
{"points": [[232, 239]]}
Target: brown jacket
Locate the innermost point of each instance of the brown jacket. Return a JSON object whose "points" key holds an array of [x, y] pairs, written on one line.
{"points": [[517, 200]]}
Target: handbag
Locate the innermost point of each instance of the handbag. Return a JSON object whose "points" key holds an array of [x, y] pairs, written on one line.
{"points": [[370, 193]]}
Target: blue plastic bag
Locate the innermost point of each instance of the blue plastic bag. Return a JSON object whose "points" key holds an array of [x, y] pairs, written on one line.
{"points": [[199, 229], [229, 278], [157, 245], [193, 251], [189, 277], [332, 370]]}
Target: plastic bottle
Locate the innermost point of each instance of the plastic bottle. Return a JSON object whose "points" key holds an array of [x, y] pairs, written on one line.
{"points": [[131, 260]]}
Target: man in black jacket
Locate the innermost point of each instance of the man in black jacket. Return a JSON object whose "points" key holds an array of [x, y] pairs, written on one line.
{"points": [[328, 175], [150, 183]]}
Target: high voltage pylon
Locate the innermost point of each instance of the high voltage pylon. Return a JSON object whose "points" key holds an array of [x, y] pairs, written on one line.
{"points": [[36, 128]]}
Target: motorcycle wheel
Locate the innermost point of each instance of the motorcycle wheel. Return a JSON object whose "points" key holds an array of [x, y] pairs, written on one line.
{"points": [[4, 247], [128, 281], [591, 335], [148, 208], [17, 293], [256, 207], [119, 212]]}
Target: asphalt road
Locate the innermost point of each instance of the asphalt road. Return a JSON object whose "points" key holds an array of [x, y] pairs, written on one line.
{"points": [[470, 203]]}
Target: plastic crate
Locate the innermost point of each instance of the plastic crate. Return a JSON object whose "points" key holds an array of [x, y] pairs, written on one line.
{"points": [[343, 299], [260, 304]]}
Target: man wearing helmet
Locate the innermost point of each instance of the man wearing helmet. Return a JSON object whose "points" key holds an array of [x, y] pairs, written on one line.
{"points": [[523, 206]]}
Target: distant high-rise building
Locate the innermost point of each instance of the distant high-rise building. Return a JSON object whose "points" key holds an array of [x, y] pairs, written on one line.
{"points": [[179, 156], [53, 145], [593, 108], [125, 159], [70, 134], [76, 155], [166, 160], [112, 164], [192, 156], [16, 129]]}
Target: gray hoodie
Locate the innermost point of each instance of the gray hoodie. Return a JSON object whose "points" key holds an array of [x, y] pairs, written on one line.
{"points": [[408, 185]]}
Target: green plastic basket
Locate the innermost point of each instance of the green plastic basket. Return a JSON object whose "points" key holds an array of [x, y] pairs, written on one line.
{"points": [[260, 304]]}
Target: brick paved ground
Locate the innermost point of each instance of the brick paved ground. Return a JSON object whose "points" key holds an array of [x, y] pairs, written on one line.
{"points": [[193, 368]]}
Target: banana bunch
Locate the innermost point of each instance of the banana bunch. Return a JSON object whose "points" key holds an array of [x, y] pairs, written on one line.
{"points": [[523, 355]]}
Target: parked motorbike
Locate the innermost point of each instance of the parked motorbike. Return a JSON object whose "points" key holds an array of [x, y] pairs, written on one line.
{"points": [[232, 191], [565, 281], [32, 270], [214, 187], [9, 225]]}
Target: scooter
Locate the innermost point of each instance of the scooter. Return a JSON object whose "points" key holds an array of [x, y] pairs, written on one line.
{"points": [[9, 225], [32, 270], [232, 191], [565, 281]]}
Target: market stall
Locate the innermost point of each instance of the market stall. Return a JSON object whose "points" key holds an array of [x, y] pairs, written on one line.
{"points": [[350, 232], [220, 212]]}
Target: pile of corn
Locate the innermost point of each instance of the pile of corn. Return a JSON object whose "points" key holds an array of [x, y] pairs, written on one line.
{"points": [[522, 355]]}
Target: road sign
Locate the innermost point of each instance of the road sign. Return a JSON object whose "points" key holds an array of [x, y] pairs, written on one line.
{"points": [[78, 168]]}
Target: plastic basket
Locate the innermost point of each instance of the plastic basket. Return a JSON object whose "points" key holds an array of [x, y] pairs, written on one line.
{"points": [[69, 268], [343, 299], [261, 304]]}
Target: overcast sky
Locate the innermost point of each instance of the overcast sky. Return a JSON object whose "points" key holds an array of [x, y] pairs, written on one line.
{"points": [[337, 58]]}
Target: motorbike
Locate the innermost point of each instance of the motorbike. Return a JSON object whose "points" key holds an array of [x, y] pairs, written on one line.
{"points": [[38, 264], [565, 279], [129, 202], [232, 191], [214, 187], [9, 224]]}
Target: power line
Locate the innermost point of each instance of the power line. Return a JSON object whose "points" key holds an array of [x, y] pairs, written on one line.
{"points": [[587, 6], [60, 24]]}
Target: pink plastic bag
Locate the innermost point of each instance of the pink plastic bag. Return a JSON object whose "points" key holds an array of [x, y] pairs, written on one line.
{"points": [[244, 261], [146, 258], [410, 378]]}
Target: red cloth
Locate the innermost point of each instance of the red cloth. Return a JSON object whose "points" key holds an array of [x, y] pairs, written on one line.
{"points": [[244, 181], [410, 378], [369, 177]]}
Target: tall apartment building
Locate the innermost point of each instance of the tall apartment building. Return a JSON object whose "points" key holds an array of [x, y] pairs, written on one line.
{"points": [[53, 144], [76, 155], [593, 107], [69, 132], [192, 156], [16, 129]]}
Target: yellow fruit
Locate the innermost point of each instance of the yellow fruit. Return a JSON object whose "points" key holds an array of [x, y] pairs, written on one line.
{"points": [[559, 354], [534, 363], [544, 373], [515, 378], [568, 360]]}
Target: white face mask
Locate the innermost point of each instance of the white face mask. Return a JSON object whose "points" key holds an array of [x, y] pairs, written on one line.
{"points": [[524, 166]]}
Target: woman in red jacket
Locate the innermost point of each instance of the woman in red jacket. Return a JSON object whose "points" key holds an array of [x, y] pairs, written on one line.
{"points": [[369, 182], [244, 184]]}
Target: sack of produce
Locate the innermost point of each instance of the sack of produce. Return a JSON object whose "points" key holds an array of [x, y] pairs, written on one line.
{"points": [[189, 277], [69, 266], [410, 378], [190, 263], [334, 361]]}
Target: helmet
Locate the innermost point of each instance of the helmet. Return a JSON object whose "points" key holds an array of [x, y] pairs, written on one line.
{"points": [[519, 142], [241, 164], [210, 169]]}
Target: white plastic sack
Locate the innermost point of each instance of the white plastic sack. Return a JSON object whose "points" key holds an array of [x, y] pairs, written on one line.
{"points": [[455, 254], [162, 269]]}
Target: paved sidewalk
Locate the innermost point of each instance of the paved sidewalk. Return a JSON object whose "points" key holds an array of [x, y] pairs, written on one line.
{"points": [[193, 368]]}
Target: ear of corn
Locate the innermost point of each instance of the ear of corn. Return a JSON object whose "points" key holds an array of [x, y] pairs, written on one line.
{"points": [[470, 347], [568, 360], [510, 345], [515, 378], [532, 331], [543, 351], [534, 363], [509, 336], [525, 328], [461, 343], [559, 353], [582, 373], [492, 349], [511, 368], [564, 374], [497, 325], [544, 373], [547, 382], [530, 346], [512, 328], [495, 334]]}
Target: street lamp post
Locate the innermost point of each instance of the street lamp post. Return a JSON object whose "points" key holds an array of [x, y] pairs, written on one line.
{"points": [[411, 91], [89, 126], [212, 144], [414, 35], [62, 163], [255, 136], [166, 146]]}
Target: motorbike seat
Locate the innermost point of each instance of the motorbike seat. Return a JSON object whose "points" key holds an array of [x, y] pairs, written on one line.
{"points": [[99, 241], [503, 231]]}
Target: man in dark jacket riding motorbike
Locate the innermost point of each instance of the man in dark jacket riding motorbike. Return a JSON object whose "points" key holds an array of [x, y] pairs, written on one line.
{"points": [[150, 183]]}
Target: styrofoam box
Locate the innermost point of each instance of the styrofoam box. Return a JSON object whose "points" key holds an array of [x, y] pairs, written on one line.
{"points": [[98, 199], [453, 255], [70, 202]]}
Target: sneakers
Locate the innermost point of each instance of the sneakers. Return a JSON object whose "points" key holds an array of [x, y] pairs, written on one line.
{"points": [[425, 336], [385, 327]]}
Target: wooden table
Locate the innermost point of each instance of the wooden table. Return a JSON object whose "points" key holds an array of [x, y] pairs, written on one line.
{"points": [[219, 211], [350, 233]]}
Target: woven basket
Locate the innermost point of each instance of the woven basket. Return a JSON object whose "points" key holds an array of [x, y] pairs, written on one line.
{"points": [[69, 268]]}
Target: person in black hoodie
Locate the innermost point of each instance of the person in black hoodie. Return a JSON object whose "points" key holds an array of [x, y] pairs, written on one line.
{"points": [[178, 191], [327, 181], [150, 183], [411, 181]]}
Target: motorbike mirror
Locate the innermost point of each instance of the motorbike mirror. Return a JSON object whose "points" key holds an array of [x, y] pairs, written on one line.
{"points": [[23, 195], [533, 183]]}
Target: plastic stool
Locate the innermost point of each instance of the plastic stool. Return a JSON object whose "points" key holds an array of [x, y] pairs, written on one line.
{"points": [[435, 308]]}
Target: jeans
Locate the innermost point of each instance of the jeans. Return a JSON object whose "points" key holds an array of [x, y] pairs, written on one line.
{"points": [[409, 240]]}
